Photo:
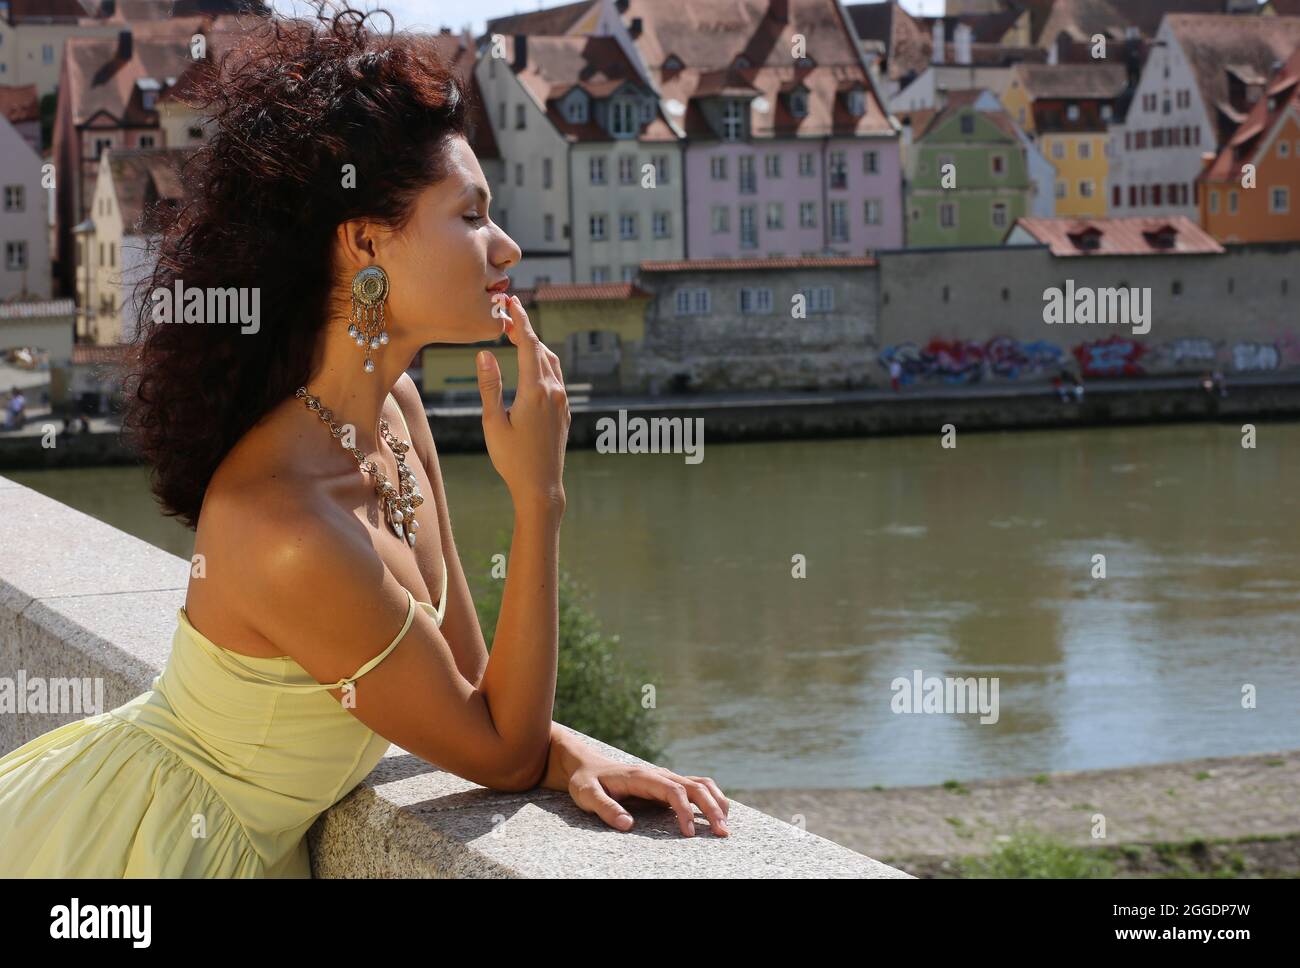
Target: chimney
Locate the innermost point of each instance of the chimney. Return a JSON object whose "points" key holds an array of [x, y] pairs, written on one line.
{"points": [[779, 10], [635, 29], [936, 42], [521, 52], [962, 38], [124, 45]]}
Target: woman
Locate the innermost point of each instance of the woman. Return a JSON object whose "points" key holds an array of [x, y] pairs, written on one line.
{"points": [[338, 196]]}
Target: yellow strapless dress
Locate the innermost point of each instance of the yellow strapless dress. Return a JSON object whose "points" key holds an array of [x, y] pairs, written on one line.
{"points": [[217, 771]]}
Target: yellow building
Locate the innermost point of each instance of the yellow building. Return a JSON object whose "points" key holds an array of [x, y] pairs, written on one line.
{"points": [[1067, 109], [594, 328]]}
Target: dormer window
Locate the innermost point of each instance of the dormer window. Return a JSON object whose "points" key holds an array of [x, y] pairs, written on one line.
{"points": [[1161, 238], [805, 61], [673, 63], [576, 110], [148, 99], [1105, 112], [1072, 112], [1087, 240], [799, 104], [741, 63], [733, 125], [647, 111], [857, 102], [622, 117]]}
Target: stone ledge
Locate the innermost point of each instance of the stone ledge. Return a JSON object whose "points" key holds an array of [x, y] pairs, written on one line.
{"points": [[96, 601]]}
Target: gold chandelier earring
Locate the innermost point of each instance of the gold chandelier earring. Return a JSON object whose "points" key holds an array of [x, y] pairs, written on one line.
{"points": [[369, 290]]}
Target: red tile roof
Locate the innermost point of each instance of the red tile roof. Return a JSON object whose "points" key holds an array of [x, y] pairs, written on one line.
{"points": [[806, 262], [907, 42], [144, 177], [19, 103], [553, 21], [1120, 236], [1244, 146], [577, 291]]}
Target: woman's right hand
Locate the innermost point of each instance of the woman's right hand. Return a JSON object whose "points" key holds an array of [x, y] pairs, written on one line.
{"points": [[526, 443]]}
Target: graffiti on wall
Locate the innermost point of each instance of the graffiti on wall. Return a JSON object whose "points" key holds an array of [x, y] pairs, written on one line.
{"points": [[1255, 356], [966, 361], [1115, 356]]}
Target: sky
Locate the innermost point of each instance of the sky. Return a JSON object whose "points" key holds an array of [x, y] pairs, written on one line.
{"points": [[432, 14]]}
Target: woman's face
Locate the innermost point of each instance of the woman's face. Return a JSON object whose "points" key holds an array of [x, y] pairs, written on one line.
{"points": [[441, 265]]}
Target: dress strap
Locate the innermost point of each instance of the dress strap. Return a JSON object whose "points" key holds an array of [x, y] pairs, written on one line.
{"points": [[410, 616], [402, 416]]}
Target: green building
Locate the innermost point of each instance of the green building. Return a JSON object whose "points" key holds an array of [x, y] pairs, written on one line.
{"points": [[965, 176]]}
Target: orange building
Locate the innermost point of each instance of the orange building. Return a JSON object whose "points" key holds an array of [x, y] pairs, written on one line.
{"points": [[1241, 204]]}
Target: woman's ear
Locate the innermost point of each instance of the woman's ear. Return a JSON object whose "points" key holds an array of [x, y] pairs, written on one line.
{"points": [[357, 239]]}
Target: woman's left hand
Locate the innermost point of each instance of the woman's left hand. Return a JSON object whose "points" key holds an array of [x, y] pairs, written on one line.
{"points": [[598, 783]]}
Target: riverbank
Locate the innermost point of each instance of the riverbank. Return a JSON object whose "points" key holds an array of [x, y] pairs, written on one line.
{"points": [[788, 415], [1235, 815]]}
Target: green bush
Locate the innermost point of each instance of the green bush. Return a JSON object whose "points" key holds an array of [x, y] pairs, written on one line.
{"points": [[597, 692], [1029, 855]]}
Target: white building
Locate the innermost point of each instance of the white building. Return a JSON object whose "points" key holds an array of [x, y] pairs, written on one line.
{"points": [[24, 224]]}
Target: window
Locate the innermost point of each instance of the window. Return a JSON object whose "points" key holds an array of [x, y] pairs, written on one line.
{"points": [[546, 172], [661, 169], [16, 255], [101, 144], [627, 274], [968, 123], [112, 255], [755, 300], [775, 215], [519, 174], [732, 124], [662, 225], [998, 163], [807, 215], [721, 219], [520, 116], [647, 111], [819, 299], [1140, 141], [627, 227], [871, 162], [947, 215], [1213, 202], [1058, 149], [806, 164], [748, 181], [597, 223], [1086, 188], [47, 53], [146, 141], [1084, 149], [600, 273], [839, 222], [622, 117], [799, 104], [688, 302], [748, 228], [1106, 112], [999, 215], [575, 111], [1284, 149], [597, 169], [871, 211], [100, 248], [14, 200], [548, 227], [1062, 189], [626, 169], [1132, 196], [772, 166], [839, 172], [1072, 112], [1117, 197], [1158, 138], [857, 104], [1279, 200], [718, 167], [1156, 194]]}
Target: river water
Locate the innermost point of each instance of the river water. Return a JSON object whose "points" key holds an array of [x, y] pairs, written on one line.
{"points": [[971, 561]]}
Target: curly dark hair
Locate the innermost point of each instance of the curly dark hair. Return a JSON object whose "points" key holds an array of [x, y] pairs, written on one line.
{"points": [[289, 104]]}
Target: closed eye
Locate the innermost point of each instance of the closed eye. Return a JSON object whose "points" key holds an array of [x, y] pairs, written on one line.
{"points": [[475, 219]]}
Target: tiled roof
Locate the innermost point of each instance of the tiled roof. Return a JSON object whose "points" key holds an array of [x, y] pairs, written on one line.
{"points": [[19, 104], [1120, 236], [907, 42], [552, 21], [925, 121], [98, 80], [1212, 44], [84, 354], [143, 177], [1284, 90], [1076, 81], [709, 36], [1082, 19], [555, 65], [37, 309], [806, 262], [572, 291], [58, 11]]}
